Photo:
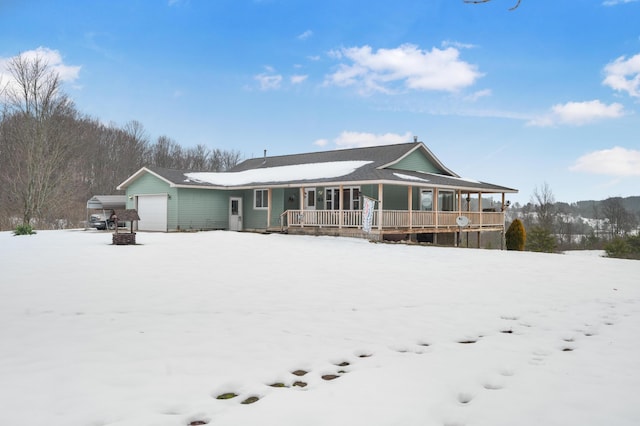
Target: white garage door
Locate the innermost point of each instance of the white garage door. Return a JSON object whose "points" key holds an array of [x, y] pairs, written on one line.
{"points": [[152, 210]]}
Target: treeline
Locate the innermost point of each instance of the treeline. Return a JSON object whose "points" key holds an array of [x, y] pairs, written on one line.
{"points": [[591, 209], [53, 158], [556, 226]]}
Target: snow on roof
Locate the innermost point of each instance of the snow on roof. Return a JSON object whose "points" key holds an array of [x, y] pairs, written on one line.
{"points": [[278, 174], [456, 178], [407, 177]]}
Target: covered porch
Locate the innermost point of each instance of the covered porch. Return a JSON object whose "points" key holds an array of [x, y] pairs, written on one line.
{"points": [[437, 211]]}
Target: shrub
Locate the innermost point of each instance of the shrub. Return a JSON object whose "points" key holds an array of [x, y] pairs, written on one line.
{"points": [[24, 229], [541, 240], [516, 236], [623, 248]]}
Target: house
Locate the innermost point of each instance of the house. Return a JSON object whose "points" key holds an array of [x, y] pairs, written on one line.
{"points": [[404, 190]]}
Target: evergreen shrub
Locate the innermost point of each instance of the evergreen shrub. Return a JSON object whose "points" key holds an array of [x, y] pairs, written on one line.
{"points": [[624, 248], [541, 240], [516, 236]]}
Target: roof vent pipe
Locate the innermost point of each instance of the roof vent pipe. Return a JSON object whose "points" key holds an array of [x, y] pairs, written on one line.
{"points": [[415, 139], [264, 161]]}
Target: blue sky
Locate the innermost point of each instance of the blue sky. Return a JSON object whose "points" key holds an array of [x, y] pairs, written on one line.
{"points": [[547, 93]]}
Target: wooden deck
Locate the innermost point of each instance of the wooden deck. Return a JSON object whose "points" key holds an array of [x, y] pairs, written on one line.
{"points": [[389, 221]]}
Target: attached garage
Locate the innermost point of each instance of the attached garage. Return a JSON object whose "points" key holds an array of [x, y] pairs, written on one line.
{"points": [[152, 210]]}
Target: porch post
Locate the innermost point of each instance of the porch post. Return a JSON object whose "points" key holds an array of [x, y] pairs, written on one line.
{"points": [[340, 208], [269, 207], [480, 209], [410, 198], [459, 236], [301, 196], [468, 212], [503, 235], [436, 209], [380, 197]]}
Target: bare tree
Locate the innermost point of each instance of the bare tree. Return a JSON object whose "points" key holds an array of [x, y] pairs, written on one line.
{"points": [[37, 144], [544, 206], [487, 1], [620, 219]]}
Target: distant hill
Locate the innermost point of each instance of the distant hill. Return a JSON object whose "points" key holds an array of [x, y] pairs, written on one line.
{"points": [[590, 208]]}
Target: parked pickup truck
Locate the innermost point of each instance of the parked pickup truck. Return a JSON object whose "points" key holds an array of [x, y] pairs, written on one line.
{"points": [[104, 221]]}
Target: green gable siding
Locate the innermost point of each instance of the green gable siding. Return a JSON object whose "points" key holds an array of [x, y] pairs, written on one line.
{"points": [[416, 161]]}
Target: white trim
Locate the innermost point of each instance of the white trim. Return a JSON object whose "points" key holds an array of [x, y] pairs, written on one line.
{"points": [[264, 199], [139, 173], [429, 155]]}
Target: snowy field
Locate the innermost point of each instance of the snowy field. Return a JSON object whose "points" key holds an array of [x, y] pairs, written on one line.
{"points": [[379, 334]]}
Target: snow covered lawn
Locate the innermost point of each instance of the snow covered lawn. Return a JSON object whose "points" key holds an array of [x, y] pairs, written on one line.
{"points": [[93, 334]]}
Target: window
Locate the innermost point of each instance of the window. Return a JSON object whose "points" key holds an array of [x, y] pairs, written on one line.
{"points": [[446, 201], [350, 198], [260, 199], [426, 200]]}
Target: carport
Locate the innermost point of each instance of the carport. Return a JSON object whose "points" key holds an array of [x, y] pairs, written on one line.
{"points": [[106, 203]]}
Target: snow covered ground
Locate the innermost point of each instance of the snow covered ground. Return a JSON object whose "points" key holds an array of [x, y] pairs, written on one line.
{"points": [[93, 334]]}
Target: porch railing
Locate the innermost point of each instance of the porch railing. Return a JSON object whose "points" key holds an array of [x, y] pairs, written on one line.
{"points": [[391, 219]]}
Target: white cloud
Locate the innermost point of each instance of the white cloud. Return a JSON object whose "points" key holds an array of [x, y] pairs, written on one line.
{"points": [[305, 35], [457, 44], [53, 59], [624, 75], [479, 94], [578, 113], [616, 2], [616, 161], [297, 79], [348, 139], [269, 81], [377, 71]]}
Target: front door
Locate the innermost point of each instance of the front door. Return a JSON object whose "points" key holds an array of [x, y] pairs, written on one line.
{"points": [[309, 198], [235, 214]]}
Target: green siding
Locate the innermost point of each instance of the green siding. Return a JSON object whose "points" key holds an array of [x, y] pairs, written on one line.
{"points": [[257, 218], [203, 209], [370, 191], [253, 218], [291, 199], [277, 205], [395, 198], [416, 161]]}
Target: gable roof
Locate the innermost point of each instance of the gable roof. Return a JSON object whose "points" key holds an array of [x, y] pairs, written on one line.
{"points": [[384, 156], [355, 166]]}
